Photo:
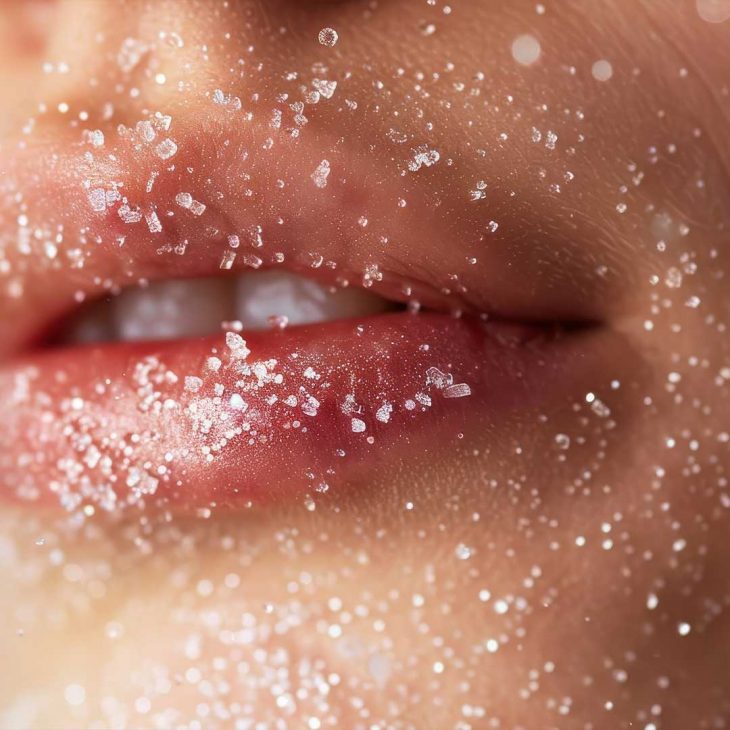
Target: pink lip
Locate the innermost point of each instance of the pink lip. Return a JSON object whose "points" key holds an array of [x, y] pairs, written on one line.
{"points": [[305, 411]]}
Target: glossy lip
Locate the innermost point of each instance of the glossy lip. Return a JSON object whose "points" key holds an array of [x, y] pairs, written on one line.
{"points": [[153, 423], [305, 411]]}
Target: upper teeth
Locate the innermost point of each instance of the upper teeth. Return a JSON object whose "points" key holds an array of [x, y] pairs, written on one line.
{"points": [[196, 307]]}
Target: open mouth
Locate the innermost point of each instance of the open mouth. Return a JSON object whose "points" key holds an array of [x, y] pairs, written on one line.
{"points": [[198, 354]]}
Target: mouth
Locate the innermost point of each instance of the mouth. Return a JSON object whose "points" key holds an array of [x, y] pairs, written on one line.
{"points": [[329, 370]]}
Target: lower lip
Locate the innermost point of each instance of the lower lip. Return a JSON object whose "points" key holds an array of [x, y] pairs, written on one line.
{"points": [[308, 410]]}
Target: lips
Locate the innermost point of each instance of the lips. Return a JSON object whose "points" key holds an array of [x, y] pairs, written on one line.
{"points": [[230, 421], [306, 411]]}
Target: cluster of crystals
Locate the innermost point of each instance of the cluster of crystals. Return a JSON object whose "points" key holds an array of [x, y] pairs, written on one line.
{"points": [[568, 565]]}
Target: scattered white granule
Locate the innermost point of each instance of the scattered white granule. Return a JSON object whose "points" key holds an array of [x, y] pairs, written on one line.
{"points": [[153, 222], [166, 149], [602, 70], [320, 175], [550, 139], [310, 406], [130, 53], [423, 399], [227, 260], [349, 405], [358, 425], [326, 89], [480, 192], [96, 138], [146, 130], [184, 200], [600, 408], [151, 181], [410, 404], [97, 200], [162, 121], [328, 37], [237, 346], [291, 400], [438, 379], [213, 364], [460, 390], [128, 215], [197, 208], [423, 156], [192, 383], [383, 413], [311, 373], [233, 103], [237, 403], [526, 49]]}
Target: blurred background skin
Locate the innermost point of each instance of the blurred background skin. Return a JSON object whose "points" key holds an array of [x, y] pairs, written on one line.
{"points": [[509, 582]]}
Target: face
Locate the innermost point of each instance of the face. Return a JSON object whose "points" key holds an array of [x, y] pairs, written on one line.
{"points": [[364, 364]]}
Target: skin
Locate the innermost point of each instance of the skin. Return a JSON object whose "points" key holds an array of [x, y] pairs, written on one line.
{"points": [[499, 577]]}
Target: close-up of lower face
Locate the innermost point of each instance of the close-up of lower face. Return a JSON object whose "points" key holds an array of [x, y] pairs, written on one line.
{"points": [[365, 364]]}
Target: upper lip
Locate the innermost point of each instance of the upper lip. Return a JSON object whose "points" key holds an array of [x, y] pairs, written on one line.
{"points": [[353, 230]]}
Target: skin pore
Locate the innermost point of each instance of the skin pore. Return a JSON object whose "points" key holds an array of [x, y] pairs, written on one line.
{"points": [[549, 551]]}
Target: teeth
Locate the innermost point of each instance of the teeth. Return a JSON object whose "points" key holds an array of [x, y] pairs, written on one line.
{"points": [[264, 297], [197, 307], [172, 309]]}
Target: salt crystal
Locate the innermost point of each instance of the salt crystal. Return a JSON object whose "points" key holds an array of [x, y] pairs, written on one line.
{"points": [[146, 130], [166, 149], [237, 346], [383, 413], [438, 379], [97, 200], [227, 260], [197, 208], [423, 156], [184, 200], [96, 138], [153, 222], [328, 37], [325, 88], [237, 403], [320, 175], [460, 390], [128, 215], [358, 426], [192, 383]]}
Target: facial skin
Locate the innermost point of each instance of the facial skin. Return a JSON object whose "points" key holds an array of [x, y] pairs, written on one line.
{"points": [[550, 554]]}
